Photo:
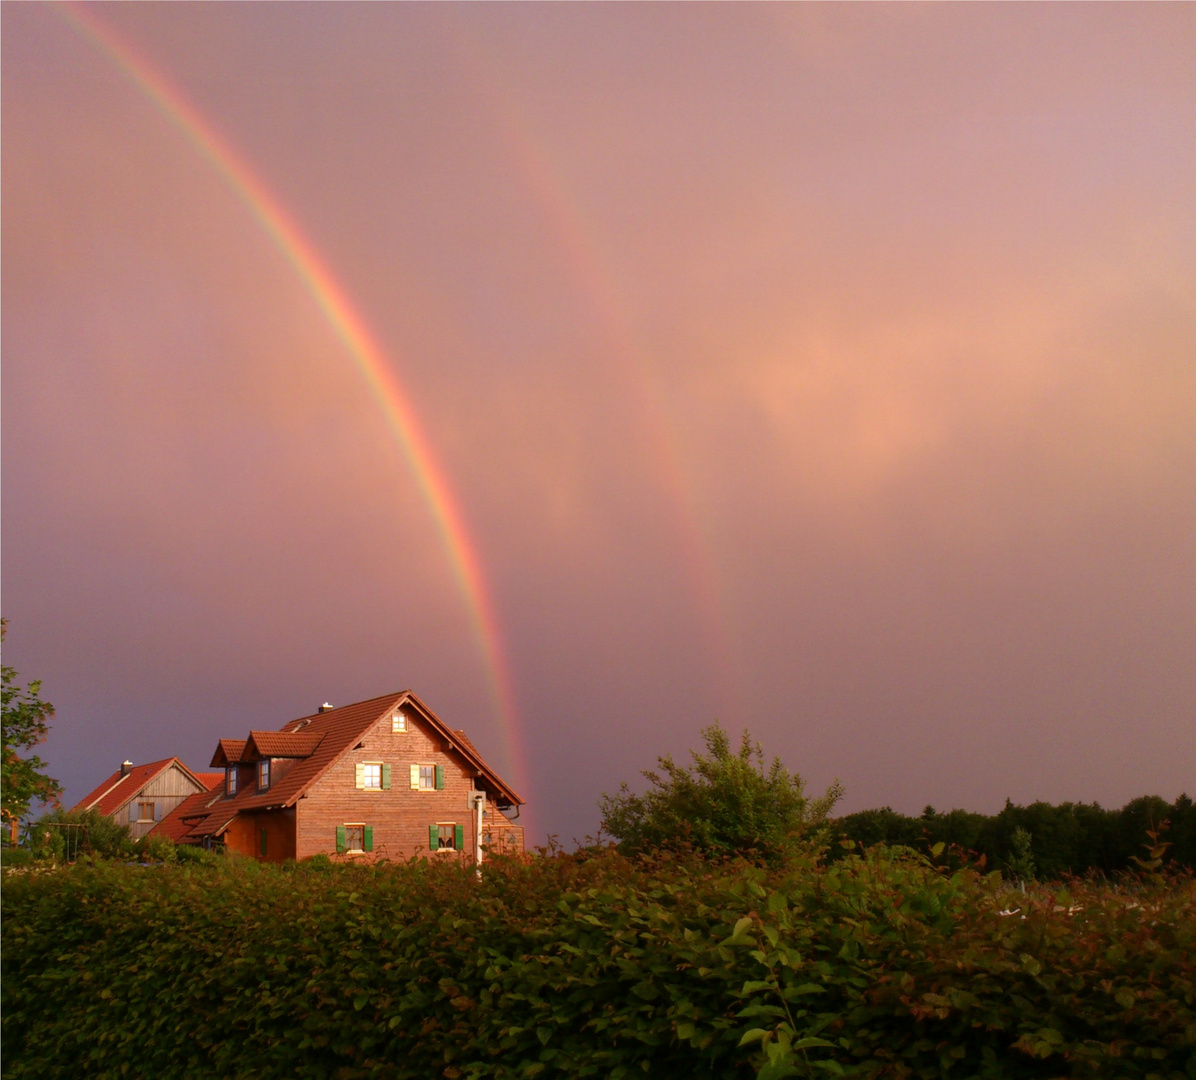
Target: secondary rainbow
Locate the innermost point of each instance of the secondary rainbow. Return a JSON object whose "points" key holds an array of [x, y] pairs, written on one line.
{"points": [[360, 343]]}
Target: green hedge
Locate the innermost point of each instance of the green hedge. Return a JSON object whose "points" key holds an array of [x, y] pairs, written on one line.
{"points": [[590, 965]]}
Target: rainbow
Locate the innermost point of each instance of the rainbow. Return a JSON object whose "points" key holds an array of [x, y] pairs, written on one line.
{"points": [[360, 343], [598, 282]]}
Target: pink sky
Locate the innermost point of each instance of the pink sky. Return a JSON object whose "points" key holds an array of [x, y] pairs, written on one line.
{"points": [[828, 370]]}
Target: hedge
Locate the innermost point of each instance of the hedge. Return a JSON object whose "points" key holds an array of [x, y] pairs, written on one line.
{"points": [[591, 965]]}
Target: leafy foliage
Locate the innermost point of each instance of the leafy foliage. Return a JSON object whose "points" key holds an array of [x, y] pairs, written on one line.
{"points": [[1050, 842], [64, 835], [726, 803], [593, 964], [24, 722]]}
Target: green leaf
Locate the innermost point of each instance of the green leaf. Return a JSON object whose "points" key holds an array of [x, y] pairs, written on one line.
{"points": [[1125, 997], [752, 1035], [811, 1040]]}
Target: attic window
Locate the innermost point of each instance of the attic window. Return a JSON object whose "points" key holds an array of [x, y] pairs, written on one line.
{"points": [[398, 722], [230, 780], [263, 774]]}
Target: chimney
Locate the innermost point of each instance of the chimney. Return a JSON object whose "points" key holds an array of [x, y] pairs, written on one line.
{"points": [[326, 707], [126, 767]]}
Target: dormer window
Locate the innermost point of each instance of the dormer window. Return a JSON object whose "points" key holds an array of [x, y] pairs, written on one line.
{"points": [[398, 722], [263, 774], [230, 780]]}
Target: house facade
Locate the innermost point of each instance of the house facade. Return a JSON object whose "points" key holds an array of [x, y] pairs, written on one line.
{"points": [[383, 778], [141, 796]]}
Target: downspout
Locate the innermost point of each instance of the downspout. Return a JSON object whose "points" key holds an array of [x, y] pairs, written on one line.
{"points": [[479, 807]]}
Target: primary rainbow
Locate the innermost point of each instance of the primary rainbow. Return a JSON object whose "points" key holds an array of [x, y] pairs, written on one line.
{"points": [[348, 324]]}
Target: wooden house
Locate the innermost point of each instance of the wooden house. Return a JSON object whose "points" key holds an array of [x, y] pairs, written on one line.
{"points": [[384, 778], [140, 796]]}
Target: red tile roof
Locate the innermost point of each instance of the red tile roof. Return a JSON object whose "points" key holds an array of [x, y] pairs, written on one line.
{"points": [[338, 730], [175, 825], [114, 792], [264, 744], [227, 751]]}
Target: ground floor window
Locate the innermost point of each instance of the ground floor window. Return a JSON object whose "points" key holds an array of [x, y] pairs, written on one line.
{"points": [[351, 838], [446, 836]]}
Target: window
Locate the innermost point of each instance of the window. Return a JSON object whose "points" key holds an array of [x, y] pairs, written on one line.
{"points": [[446, 836], [373, 776], [145, 811], [354, 838], [427, 777], [230, 780], [263, 774], [398, 722]]}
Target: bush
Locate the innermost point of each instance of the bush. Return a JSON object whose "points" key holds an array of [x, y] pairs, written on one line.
{"points": [[593, 964], [158, 849], [724, 804], [63, 835]]}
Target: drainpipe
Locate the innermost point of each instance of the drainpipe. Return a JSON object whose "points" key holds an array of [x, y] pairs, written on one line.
{"points": [[479, 808]]}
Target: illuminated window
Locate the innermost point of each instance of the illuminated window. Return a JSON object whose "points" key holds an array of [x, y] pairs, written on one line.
{"points": [[371, 775], [230, 780], [398, 722], [263, 773], [354, 839], [427, 777]]}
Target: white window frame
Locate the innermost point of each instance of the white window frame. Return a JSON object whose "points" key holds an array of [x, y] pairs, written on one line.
{"points": [[428, 773], [398, 723], [371, 770]]}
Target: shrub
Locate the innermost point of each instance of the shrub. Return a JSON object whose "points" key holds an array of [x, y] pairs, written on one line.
{"points": [[593, 964], [64, 835], [726, 803]]}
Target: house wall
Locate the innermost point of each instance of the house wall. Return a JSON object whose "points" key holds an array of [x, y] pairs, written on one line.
{"points": [[244, 835], [166, 790], [400, 817]]}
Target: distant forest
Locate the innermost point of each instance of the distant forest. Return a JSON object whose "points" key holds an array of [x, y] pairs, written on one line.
{"points": [[1037, 841]]}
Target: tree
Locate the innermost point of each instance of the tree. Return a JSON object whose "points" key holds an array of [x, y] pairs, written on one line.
{"points": [[725, 803], [24, 725]]}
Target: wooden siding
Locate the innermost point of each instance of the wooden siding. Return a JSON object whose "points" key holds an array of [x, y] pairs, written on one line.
{"points": [[244, 835], [166, 790], [400, 816]]}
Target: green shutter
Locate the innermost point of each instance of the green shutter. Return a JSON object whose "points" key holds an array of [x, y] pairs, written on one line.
{"points": [[367, 842], [439, 777], [460, 835], [342, 843], [385, 777], [263, 843], [433, 838]]}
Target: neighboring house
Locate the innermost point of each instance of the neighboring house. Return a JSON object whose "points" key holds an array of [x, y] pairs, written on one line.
{"points": [[140, 796], [175, 825], [384, 778]]}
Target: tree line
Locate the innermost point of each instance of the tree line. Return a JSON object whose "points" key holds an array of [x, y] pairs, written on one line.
{"points": [[1042, 840]]}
